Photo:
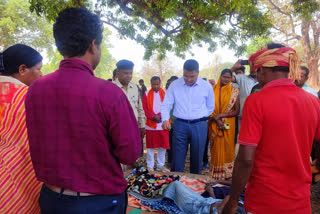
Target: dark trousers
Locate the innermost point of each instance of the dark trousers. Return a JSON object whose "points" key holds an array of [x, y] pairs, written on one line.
{"points": [[142, 151], [183, 134], [169, 151], [237, 130], [206, 149], [56, 203]]}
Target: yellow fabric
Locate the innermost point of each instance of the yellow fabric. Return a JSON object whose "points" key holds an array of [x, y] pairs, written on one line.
{"points": [[222, 142]]}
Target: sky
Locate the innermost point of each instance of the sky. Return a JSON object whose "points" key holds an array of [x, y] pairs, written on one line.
{"points": [[131, 50]]}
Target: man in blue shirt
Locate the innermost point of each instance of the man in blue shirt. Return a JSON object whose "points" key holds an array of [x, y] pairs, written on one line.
{"points": [[193, 101]]}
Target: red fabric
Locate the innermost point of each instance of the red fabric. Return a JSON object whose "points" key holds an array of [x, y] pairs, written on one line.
{"points": [[281, 121], [271, 58], [157, 139], [148, 106], [80, 129]]}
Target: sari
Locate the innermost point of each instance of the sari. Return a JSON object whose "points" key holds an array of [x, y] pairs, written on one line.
{"points": [[19, 188], [222, 141]]}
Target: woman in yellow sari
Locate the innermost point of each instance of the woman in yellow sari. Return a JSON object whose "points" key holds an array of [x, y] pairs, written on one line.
{"points": [[222, 127]]}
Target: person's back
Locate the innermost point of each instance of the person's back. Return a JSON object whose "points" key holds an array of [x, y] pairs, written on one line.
{"points": [[281, 175], [75, 119], [278, 127], [80, 127], [20, 65]]}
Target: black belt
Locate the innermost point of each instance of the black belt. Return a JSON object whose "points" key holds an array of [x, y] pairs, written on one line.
{"points": [[193, 121]]}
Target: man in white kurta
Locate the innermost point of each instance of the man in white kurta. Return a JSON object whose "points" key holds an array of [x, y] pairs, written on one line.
{"points": [[156, 137]]}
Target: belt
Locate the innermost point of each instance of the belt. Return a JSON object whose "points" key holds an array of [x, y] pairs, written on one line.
{"points": [[193, 121], [67, 191]]}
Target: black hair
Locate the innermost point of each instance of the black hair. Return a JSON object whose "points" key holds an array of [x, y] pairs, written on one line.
{"points": [[243, 69], [224, 71], [305, 69], [277, 68], [191, 65], [141, 81], [275, 45], [114, 73], [75, 29], [317, 153], [155, 78], [17, 55], [205, 79], [172, 78], [110, 80]]}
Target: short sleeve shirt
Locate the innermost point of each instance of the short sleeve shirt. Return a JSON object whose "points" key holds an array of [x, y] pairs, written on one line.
{"points": [[281, 121]]}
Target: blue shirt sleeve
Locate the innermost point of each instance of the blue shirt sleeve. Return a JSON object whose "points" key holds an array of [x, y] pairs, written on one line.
{"points": [[210, 101], [167, 104]]}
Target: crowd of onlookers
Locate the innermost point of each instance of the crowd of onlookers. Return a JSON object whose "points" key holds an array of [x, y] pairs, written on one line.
{"points": [[67, 137]]}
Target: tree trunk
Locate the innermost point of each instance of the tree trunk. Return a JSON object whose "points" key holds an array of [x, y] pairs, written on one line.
{"points": [[313, 65]]}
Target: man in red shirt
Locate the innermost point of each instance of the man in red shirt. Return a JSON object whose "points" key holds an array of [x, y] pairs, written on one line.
{"points": [[278, 127], [80, 127]]}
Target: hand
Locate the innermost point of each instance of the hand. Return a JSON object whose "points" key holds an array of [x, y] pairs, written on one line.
{"points": [[156, 118], [217, 117], [220, 125], [142, 133], [236, 65], [209, 189], [230, 207], [166, 125]]}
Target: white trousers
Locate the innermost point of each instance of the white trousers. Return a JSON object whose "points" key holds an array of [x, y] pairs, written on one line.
{"points": [[161, 157]]}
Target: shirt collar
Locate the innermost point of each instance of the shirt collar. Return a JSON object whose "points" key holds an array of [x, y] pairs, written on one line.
{"points": [[279, 82], [118, 83], [11, 80], [196, 83], [76, 63]]}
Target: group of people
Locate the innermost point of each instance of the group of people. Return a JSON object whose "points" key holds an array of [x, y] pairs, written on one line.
{"points": [[67, 137]]}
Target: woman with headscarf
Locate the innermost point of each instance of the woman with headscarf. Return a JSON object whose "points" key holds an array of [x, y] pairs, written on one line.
{"points": [[222, 127], [20, 65]]}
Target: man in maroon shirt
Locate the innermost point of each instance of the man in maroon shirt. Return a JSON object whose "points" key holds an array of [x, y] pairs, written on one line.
{"points": [[278, 127], [80, 127]]}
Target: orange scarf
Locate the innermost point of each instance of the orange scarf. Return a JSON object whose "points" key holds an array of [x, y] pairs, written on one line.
{"points": [[150, 97]]}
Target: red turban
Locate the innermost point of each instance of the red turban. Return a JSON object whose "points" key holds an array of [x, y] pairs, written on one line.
{"points": [[285, 56]]}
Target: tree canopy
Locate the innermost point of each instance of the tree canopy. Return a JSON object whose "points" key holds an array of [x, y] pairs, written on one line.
{"points": [[167, 25], [18, 25], [297, 25]]}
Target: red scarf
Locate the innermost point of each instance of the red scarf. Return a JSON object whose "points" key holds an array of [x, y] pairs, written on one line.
{"points": [[150, 97]]}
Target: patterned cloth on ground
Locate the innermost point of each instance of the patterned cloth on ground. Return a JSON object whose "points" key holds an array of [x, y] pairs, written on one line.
{"points": [[195, 184], [148, 185]]}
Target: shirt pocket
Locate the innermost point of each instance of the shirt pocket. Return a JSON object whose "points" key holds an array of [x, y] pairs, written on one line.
{"points": [[198, 100], [134, 101]]}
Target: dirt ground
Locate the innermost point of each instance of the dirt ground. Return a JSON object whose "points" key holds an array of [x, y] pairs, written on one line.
{"points": [[315, 199]]}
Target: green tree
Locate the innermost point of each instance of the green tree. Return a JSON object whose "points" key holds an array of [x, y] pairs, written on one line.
{"points": [[156, 67], [167, 25], [18, 25], [104, 69], [53, 64], [213, 70], [107, 62], [256, 44], [297, 25]]}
